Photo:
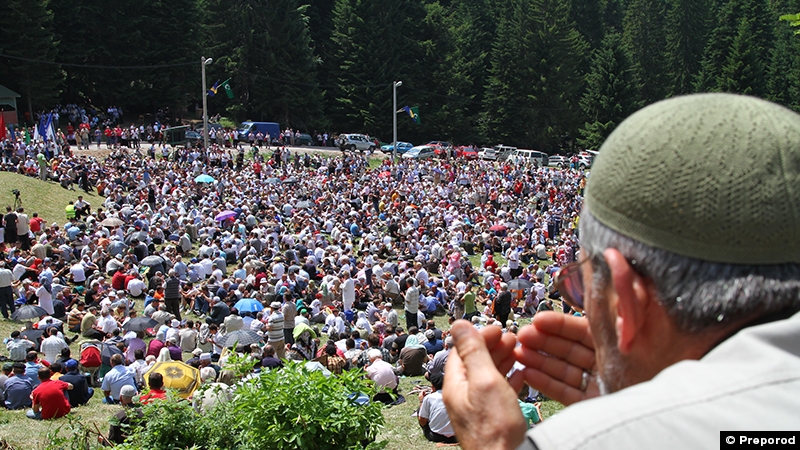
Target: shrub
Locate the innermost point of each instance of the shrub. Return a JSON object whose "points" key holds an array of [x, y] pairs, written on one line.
{"points": [[294, 408], [286, 409]]}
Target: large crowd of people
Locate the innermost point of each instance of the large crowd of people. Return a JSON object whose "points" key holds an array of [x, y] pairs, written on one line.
{"points": [[326, 244], [680, 307]]}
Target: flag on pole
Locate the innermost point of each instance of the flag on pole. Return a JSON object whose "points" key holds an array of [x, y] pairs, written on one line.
{"points": [[227, 86], [213, 91], [413, 112], [36, 136], [2, 127], [27, 133], [49, 130]]}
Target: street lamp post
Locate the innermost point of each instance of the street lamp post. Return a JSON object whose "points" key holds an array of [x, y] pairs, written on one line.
{"points": [[395, 85], [203, 63]]}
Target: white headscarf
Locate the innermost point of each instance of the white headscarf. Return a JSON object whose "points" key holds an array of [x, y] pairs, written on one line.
{"points": [[363, 322]]}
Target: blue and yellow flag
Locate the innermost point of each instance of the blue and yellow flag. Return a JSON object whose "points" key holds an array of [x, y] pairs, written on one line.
{"points": [[413, 112], [213, 91]]}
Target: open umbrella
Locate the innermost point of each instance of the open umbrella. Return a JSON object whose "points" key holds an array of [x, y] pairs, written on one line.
{"points": [[28, 312], [291, 180], [498, 227], [112, 222], [304, 205], [225, 215], [204, 178], [177, 375], [107, 351], [242, 337], [273, 180], [139, 324], [519, 284], [249, 305]]}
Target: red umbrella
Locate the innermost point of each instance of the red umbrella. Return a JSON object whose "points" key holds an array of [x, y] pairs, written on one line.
{"points": [[498, 227]]}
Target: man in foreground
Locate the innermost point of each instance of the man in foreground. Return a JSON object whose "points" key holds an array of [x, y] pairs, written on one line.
{"points": [[49, 399], [690, 281]]}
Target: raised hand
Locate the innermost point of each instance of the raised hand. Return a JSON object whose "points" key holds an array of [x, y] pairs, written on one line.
{"points": [[558, 353], [483, 407]]}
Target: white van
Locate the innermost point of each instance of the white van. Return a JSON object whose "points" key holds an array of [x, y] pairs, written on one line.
{"points": [[502, 152], [523, 156]]}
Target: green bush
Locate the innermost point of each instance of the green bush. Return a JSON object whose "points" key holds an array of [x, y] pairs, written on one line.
{"points": [[288, 409], [294, 408]]}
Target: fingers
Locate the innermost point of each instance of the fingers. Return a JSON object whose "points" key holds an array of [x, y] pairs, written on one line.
{"points": [[472, 351], [557, 389], [534, 343], [553, 367], [563, 325]]}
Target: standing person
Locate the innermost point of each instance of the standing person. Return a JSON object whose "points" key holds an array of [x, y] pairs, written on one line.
{"points": [[411, 302], [690, 288], [6, 291], [275, 330], [502, 306], [10, 225], [289, 311], [23, 228], [172, 294]]}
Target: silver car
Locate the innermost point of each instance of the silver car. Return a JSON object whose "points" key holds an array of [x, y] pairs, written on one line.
{"points": [[353, 142]]}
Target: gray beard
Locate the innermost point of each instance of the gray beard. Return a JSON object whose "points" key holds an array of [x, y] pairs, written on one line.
{"points": [[611, 376]]}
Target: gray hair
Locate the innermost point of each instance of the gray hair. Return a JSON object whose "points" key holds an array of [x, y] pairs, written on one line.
{"points": [[697, 294]]}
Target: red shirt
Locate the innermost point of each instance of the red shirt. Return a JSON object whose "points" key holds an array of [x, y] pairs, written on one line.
{"points": [[50, 395], [118, 280], [154, 394], [36, 224]]}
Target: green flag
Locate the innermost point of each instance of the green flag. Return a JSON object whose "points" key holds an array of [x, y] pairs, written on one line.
{"points": [[415, 115], [227, 86]]}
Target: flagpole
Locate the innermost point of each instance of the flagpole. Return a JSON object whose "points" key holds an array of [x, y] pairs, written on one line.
{"points": [[394, 118], [203, 63]]}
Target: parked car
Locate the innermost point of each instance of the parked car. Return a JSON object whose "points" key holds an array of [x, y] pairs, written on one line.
{"points": [[488, 154], [558, 161], [355, 142], [525, 156], [303, 139], [248, 127], [420, 152], [402, 147], [502, 152], [468, 152], [193, 137], [443, 144]]}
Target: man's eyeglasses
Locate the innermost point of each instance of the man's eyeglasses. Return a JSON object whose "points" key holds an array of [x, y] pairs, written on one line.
{"points": [[569, 283]]}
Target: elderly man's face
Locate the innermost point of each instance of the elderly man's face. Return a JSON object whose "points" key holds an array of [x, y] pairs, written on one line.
{"points": [[611, 363]]}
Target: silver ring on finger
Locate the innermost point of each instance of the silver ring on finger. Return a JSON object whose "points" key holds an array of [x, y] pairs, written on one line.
{"points": [[585, 380]]}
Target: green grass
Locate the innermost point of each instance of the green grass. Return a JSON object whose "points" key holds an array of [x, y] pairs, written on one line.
{"points": [[47, 198]]}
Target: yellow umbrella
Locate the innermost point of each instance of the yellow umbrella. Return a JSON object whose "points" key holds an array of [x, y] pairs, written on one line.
{"points": [[177, 375]]}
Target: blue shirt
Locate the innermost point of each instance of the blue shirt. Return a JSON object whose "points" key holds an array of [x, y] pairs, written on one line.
{"points": [[32, 372], [434, 346], [116, 378], [17, 392]]}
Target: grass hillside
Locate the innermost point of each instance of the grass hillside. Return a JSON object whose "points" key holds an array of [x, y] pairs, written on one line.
{"points": [[47, 198]]}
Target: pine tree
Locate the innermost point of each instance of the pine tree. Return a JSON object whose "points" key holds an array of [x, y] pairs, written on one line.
{"points": [[26, 31], [783, 80], [686, 36], [721, 40], [374, 44], [587, 15], [265, 48], [645, 40], [743, 72], [611, 92], [534, 79]]}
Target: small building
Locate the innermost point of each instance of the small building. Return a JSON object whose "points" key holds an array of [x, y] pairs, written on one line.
{"points": [[8, 105]]}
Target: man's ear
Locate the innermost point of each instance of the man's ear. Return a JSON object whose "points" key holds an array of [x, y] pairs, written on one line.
{"points": [[631, 302]]}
